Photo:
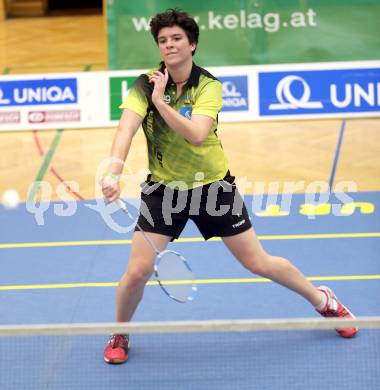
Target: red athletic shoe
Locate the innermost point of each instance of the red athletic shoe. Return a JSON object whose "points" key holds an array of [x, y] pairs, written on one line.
{"points": [[116, 350], [334, 308]]}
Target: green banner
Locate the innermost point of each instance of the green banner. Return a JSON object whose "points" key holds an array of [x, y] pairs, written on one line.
{"points": [[119, 87], [249, 32]]}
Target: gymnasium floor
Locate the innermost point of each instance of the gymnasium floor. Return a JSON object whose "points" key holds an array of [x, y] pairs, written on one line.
{"points": [[66, 271]]}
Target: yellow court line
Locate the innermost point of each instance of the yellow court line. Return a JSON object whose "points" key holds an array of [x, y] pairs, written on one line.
{"points": [[199, 281], [189, 239]]}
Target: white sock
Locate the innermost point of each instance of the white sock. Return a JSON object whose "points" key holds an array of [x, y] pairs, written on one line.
{"points": [[323, 303]]}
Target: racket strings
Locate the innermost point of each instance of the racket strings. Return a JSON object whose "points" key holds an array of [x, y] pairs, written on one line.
{"points": [[175, 276]]}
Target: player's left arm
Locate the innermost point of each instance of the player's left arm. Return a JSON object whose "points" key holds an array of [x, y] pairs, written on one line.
{"points": [[204, 112]]}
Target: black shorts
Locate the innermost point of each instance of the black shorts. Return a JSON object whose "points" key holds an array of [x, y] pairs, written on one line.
{"points": [[217, 209]]}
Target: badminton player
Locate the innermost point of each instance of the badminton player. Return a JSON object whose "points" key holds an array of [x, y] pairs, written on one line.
{"points": [[177, 105]]}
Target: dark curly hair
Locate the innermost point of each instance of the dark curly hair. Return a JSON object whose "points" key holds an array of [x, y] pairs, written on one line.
{"points": [[175, 17]]}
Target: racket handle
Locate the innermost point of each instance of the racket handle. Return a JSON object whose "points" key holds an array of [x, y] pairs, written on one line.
{"points": [[121, 205]]}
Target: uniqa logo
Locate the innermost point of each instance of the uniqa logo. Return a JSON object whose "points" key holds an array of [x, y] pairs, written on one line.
{"points": [[340, 96], [42, 95], [288, 100], [2, 99], [231, 96]]}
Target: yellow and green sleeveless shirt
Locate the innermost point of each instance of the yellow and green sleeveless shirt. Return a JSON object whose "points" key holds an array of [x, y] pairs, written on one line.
{"points": [[171, 157]]}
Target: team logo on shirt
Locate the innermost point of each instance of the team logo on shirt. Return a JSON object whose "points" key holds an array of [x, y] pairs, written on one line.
{"points": [[167, 99], [186, 111]]}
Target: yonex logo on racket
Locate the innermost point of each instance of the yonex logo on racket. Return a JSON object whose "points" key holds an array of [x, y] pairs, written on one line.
{"points": [[287, 99]]}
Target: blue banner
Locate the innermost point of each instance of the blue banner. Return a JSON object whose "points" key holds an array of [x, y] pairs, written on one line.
{"points": [[319, 91], [38, 92], [235, 93]]}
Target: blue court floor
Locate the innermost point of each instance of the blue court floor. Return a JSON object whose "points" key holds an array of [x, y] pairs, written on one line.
{"points": [[64, 269]]}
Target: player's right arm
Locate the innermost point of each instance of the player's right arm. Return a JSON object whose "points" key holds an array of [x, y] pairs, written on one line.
{"points": [[129, 123]]}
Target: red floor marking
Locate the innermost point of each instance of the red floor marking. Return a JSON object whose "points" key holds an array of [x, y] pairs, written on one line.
{"points": [[52, 170]]}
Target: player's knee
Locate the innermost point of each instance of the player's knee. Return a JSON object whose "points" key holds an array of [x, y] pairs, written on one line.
{"points": [[259, 266], [137, 276]]}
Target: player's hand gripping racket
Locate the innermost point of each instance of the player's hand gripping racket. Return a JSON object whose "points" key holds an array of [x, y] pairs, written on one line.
{"points": [[171, 269]]}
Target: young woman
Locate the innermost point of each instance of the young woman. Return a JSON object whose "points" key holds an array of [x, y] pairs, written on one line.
{"points": [[177, 105]]}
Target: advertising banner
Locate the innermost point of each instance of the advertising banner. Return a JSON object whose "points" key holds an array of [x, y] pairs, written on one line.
{"points": [[235, 93], [250, 93], [246, 32], [118, 92], [319, 92], [38, 91], [62, 100]]}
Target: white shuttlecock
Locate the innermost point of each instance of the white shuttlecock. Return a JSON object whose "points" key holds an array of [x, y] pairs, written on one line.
{"points": [[10, 199]]}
